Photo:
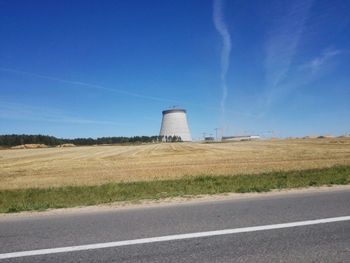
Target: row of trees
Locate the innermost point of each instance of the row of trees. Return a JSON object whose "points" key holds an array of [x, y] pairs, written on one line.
{"points": [[19, 139]]}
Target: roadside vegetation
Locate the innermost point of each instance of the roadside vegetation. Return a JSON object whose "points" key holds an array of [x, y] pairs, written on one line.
{"points": [[41, 199]]}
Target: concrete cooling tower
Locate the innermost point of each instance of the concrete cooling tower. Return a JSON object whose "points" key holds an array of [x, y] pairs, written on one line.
{"points": [[174, 122]]}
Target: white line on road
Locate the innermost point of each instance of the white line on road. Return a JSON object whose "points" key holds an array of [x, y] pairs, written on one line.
{"points": [[170, 238]]}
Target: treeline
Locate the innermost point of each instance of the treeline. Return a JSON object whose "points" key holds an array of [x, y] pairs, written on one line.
{"points": [[20, 139]]}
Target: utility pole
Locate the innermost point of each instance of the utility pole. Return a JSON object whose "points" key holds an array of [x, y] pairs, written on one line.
{"points": [[216, 133]]}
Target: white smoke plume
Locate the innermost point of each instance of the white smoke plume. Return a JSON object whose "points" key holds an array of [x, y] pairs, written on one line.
{"points": [[221, 27]]}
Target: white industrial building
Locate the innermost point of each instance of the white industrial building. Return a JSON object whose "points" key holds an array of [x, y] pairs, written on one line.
{"points": [[174, 123]]}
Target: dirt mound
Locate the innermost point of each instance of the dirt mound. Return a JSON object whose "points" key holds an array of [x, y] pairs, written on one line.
{"points": [[29, 146], [311, 136], [329, 136], [67, 145], [34, 146], [18, 147]]}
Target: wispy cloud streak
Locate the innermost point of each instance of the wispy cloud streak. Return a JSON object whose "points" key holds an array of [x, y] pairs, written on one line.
{"points": [[18, 111], [282, 42], [318, 62], [119, 91], [220, 25], [88, 85]]}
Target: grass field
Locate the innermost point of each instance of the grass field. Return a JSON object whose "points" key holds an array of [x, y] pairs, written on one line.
{"points": [[97, 165], [70, 196]]}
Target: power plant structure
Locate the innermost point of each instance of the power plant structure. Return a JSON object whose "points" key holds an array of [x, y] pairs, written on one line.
{"points": [[174, 123]]}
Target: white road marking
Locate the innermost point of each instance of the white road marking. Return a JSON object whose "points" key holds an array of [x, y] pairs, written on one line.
{"points": [[171, 237]]}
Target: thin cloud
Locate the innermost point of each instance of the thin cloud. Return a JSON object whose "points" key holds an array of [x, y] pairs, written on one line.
{"points": [[88, 85], [318, 62], [17, 111], [221, 27], [281, 47], [119, 91], [305, 74], [283, 41]]}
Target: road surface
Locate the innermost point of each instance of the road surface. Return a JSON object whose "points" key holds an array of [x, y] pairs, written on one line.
{"points": [[294, 227]]}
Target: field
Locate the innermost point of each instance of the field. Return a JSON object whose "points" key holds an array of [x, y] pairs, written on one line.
{"points": [[97, 165]]}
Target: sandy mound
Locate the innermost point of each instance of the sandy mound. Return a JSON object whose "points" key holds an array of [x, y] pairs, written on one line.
{"points": [[34, 146], [67, 145], [311, 136], [329, 136], [18, 147], [29, 146]]}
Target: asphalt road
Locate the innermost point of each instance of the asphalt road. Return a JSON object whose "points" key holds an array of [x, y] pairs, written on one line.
{"points": [[329, 242]]}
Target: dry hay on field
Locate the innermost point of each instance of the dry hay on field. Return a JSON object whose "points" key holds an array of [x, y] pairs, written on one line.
{"points": [[91, 165]]}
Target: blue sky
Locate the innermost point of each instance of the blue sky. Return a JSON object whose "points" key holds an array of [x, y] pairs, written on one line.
{"points": [[108, 68]]}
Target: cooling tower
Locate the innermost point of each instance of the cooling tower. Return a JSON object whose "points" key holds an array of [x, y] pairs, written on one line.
{"points": [[174, 122]]}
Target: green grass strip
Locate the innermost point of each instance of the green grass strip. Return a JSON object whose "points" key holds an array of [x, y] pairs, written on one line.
{"points": [[41, 199]]}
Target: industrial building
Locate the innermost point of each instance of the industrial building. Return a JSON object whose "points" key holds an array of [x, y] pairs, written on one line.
{"points": [[174, 123]]}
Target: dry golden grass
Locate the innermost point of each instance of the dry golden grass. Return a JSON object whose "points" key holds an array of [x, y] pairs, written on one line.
{"points": [[52, 167]]}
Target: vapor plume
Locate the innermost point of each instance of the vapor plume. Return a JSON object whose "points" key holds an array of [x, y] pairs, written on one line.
{"points": [[221, 27]]}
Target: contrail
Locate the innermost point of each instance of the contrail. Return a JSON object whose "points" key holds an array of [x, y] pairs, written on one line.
{"points": [[120, 91], [221, 27], [88, 85]]}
